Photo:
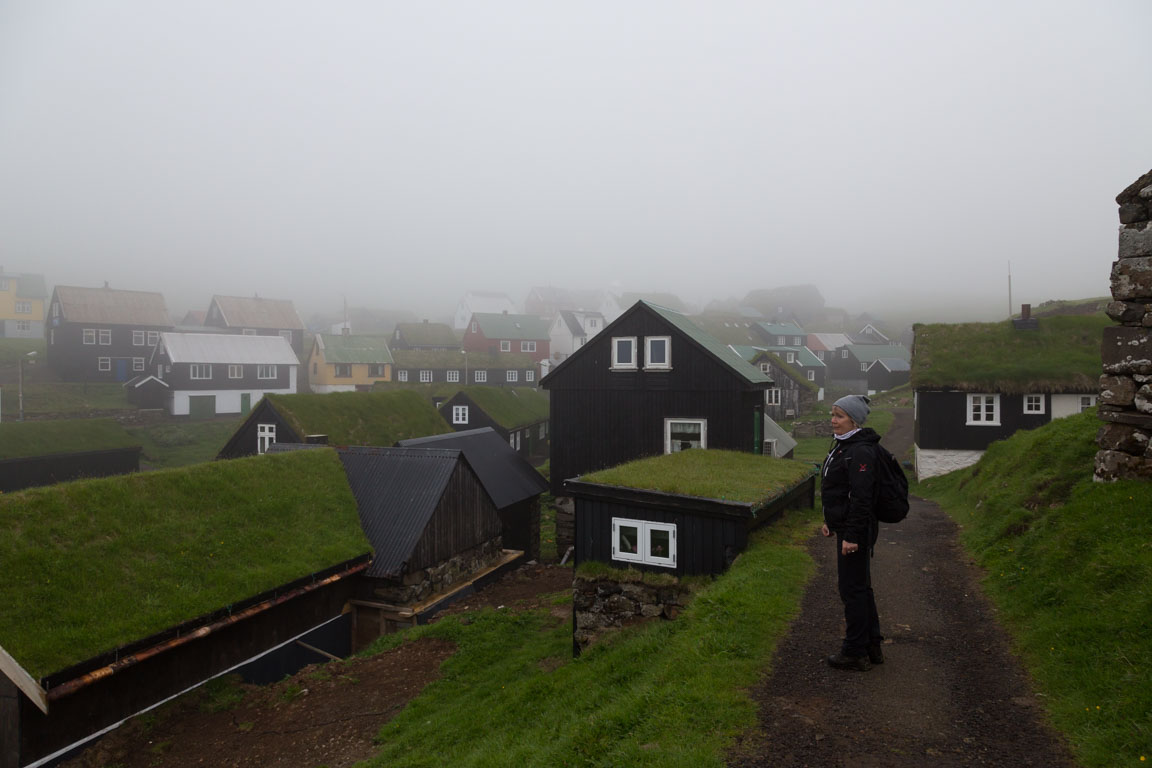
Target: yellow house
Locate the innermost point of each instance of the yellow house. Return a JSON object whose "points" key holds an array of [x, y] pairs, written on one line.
{"points": [[345, 363], [22, 299]]}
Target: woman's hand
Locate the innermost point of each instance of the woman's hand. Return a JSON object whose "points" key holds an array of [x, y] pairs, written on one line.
{"points": [[824, 530], [848, 547]]}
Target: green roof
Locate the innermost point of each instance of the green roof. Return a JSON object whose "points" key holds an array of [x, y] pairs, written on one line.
{"points": [[453, 358], [354, 349], [361, 418], [510, 407], [870, 353], [782, 329], [515, 327], [39, 438], [709, 342], [428, 334], [95, 564], [1061, 355]]}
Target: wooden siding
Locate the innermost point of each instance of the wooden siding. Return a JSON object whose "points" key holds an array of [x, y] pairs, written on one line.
{"points": [[464, 518], [243, 442], [941, 418], [73, 360]]}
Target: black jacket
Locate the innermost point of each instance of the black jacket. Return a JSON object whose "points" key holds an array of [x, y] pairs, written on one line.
{"points": [[848, 485]]}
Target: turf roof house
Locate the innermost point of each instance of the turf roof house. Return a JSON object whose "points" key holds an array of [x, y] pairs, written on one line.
{"points": [[518, 415], [256, 316], [424, 335], [455, 366], [22, 299], [979, 382], [793, 392], [103, 334], [504, 334], [348, 363], [36, 453], [652, 382], [339, 418]]}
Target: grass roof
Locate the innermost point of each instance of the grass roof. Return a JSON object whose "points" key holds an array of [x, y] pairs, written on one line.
{"points": [[710, 474], [452, 358], [361, 418], [39, 438], [91, 565], [1062, 355], [511, 407]]}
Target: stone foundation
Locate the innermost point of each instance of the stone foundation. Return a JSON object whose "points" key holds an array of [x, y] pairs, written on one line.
{"points": [[1126, 352], [418, 586], [930, 463], [602, 605]]}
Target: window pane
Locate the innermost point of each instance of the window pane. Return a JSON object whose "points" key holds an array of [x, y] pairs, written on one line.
{"points": [[658, 352], [685, 435], [658, 543], [624, 352], [629, 540]]}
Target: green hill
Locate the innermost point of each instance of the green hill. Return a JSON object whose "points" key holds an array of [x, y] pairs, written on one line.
{"points": [[38, 438]]}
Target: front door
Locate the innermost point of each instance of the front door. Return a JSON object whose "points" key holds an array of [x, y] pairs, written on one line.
{"points": [[245, 402], [121, 370]]}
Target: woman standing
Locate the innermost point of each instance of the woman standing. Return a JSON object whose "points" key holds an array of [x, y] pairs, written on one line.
{"points": [[847, 488]]}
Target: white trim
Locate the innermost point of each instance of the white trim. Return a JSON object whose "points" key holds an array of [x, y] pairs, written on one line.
{"points": [[984, 412], [1034, 405], [505, 345], [105, 335], [668, 432], [626, 366], [235, 371], [480, 377], [265, 436], [453, 376], [772, 396], [637, 538], [266, 371], [425, 376], [197, 371], [459, 414], [511, 376], [651, 366]]}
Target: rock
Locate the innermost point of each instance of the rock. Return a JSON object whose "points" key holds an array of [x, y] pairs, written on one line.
{"points": [[1126, 350], [1135, 241], [1117, 390], [1122, 437], [1130, 213], [1115, 465], [1132, 278], [1128, 312], [1117, 415], [1137, 190], [1143, 399]]}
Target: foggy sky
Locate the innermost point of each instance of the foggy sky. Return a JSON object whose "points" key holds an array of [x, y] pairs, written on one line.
{"points": [[398, 154]]}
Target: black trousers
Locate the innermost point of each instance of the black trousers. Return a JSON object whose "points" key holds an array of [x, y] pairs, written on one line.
{"points": [[854, 580]]}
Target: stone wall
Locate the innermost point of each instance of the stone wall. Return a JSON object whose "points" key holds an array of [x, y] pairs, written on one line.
{"points": [[602, 604], [821, 428], [420, 585], [1126, 386]]}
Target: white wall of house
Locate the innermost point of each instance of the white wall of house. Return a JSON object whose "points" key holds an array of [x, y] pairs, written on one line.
{"points": [[227, 400], [1070, 405], [323, 389], [930, 463]]}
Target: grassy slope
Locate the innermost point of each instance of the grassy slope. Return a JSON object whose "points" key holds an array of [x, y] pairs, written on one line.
{"points": [[511, 407], [663, 694], [38, 438], [363, 418], [1069, 564], [94, 564], [180, 443]]}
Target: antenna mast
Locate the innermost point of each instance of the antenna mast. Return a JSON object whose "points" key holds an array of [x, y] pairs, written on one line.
{"points": [[1010, 305]]}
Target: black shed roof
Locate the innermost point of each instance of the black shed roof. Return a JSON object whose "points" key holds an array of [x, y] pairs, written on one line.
{"points": [[505, 475]]}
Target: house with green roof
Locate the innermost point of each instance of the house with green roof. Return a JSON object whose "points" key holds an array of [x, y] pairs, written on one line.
{"points": [[506, 334], [338, 418], [348, 363], [652, 382], [425, 335], [979, 382], [517, 414]]}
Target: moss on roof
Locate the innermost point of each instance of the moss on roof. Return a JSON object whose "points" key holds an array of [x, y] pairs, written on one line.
{"points": [[361, 418], [39, 438], [428, 334], [359, 348], [511, 407], [502, 326], [453, 358], [1062, 355], [91, 565]]}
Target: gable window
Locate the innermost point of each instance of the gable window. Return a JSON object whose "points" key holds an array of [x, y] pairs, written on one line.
{"points": [[772, 396], [473, 326], [425, 377], [480, 377], [984, 410], [843, 354], [235, 371], [511, 376], [137, 338], [643, 541], [103, 363], [453, 376], [656, 353], [791, 357], [266, 371], [684, 434], [591, 322], [505, 346], [200, 371], [343, 370], [529, 375], [764, 367], [1033, 403], [265, 436], [863, 366], [811, 375], [153, 338], [820, 354], [527, 346], [89, 336], [459, 414], [624, 353]]}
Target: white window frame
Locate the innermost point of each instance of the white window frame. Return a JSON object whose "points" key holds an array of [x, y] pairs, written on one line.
{"points": [[103, 363], [781, 341], [341, 370], [153, 338], [643, 530], [511, 376], [105, 337], [543, 430], [1088, 401], [616, 364], [820, 354], [864, 367], [88, 336], [764, 367], [402, 376], [810, 374], [200, 371], [527, 346], [235, 371], [984, 402], [23, 307], [266, 371], [480, 377], [505, 345], [772, 396], [376, 370], [790, 357], [664, 366], [425, 376], [24, 325], [137, 338], [668, 432], [796, 341], [453, 377], [137, 364], [1034, 405], [529, 375], [843, 354], [459, 414], [265, 436]]}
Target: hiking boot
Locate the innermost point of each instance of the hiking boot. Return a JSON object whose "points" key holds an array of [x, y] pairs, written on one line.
{"points": [[876, 653], [843, 661]]}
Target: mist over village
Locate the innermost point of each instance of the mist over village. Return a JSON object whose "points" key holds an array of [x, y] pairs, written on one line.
{"points": [[646, 384]]}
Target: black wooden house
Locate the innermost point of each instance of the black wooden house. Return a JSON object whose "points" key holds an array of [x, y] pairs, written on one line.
{"points": [[652, 382]]}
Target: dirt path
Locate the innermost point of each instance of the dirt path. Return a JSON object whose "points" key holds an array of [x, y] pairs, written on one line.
{"points": [[950, 692]]}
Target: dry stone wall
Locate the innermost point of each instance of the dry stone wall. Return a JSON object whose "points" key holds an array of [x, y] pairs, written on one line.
{"points": [[1125, 440], [604, 604], [417, 586]]}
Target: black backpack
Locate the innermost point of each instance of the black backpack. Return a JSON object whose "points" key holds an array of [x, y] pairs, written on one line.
{"points": [[891, 502]]}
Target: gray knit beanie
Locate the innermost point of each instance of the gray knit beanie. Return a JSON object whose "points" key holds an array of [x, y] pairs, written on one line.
{"points": [[856, 406]]}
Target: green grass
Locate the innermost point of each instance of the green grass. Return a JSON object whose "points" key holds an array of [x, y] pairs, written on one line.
{"points": [[1069, 565], [362, 418], [711, 474], [38, 438], [1063, 353], [93, 564], [169, 444], [667, 693], [511, 407]]}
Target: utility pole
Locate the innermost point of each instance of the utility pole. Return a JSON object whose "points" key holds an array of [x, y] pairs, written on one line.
{"points": [[1010, 305]]}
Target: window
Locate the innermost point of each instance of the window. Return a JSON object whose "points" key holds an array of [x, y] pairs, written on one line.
{"points": [[24, 325], [527, 346], [820, 354], [984, 410], [200, 371], [266, 371], [543, 430], [591, 322], [811, 375], [55, 309], [137, 338], [235, 371], [480, 377], [89, 336], [103, 363], [764, 367], [642, 541], [772, 396], [1087, 401], [343, 370], [137, 364], [425, 377], [265, 436], [287, 335], [864, 366], [1033, 403], [796, 341], [459, 414], [453, 376], [402, 376], [512, 441], [517, 437], [656, 353], [23, 307], [248, 332], [529, 375], [791, 357], [511, 376], [376, 370], [105, 337], [3, 283], [683, 434], [780, 341], [473, 326], [153, 338], [843, 354], [505, 346], [624, 353]]}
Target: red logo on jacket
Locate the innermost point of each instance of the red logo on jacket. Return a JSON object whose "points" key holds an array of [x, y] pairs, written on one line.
{"points": [[863, 467]]}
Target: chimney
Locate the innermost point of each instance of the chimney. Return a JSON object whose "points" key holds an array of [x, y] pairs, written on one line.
{"points": [[1025, 322]]}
